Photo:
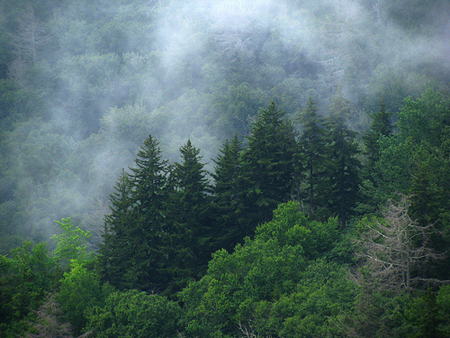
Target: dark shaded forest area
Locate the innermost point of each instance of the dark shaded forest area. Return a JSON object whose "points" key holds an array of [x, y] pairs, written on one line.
{"points": [[224, 168]]}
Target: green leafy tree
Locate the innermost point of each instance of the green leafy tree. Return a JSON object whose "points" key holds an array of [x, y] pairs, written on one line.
{"points": [[135, 314], [71, 244], [25, 279], [81, 289], [277, 284]]}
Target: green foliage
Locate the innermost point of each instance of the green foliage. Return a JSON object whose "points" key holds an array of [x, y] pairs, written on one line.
{"points": [[187, 243], [71, 244], [231, 226], [80, 289], [269, 163], [135, 314], [341, 193], [25, 279], [275, 284], [311, 176]]}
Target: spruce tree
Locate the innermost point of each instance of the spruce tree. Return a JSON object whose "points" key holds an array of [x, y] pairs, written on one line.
{"points": [[380, 127], [186, 247], [230, 226], [130, 255], [343, 180], [312, 143], [269, 164], [148, 227], [114, 255]]}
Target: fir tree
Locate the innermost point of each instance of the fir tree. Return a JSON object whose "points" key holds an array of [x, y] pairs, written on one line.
{"points": [[130, 254], [186, 245], [114, 255], [228, 200], [312, 143], [380, 127], [148, 226], [269, 164], [343, 181]]}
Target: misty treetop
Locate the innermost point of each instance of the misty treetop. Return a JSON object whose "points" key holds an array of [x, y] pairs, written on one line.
{"points": [[84, 82], [279, 132], [245, 250]]}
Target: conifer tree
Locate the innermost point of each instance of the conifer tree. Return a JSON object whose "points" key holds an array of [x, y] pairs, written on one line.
{"points": [[130, 254], [269, 164], [113, 252], [186, 245], [343, 179], [148, 226], [228, 200], [312, 143], [380, 127]]}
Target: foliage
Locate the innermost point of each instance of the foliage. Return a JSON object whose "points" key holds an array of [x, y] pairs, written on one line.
{"points": [[134, 314], [268, 163], [343, 180], [262, 284], [25, 279], [80, 289], [71, 244]]}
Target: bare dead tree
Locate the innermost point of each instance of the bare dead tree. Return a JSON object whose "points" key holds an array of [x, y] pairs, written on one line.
{"points": [[48, 321], [30, 36], [248, 331], [395, 249]]}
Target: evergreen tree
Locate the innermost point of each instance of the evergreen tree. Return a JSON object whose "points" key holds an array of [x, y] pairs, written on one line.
{"points": [[312, 143], [269, 164], [130, 254], [186, 244], [380, 127], [343, 181], [228, 200], [114, 255], [148, 226]]}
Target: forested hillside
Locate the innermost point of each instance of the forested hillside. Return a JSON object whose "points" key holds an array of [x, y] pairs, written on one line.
{"points": [[224, 168]]}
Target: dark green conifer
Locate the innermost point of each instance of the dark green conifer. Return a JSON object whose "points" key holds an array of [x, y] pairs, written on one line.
{"points": [[228, 196], [312, 143], [148, 227], [186, 245], [114, 254], [134, 229], [380, 127], [269, 163], [343, 181]]}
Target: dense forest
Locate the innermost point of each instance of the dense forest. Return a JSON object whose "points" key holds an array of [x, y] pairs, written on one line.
{"points": [[228, 168]]}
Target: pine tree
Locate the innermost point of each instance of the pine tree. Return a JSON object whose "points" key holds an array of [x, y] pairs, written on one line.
{"points": [[269, 164], [228, 200], [186, 245], [114, 255], [130, 255], [342, 194], [148, 226], [312, 143], [380, 127]]}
